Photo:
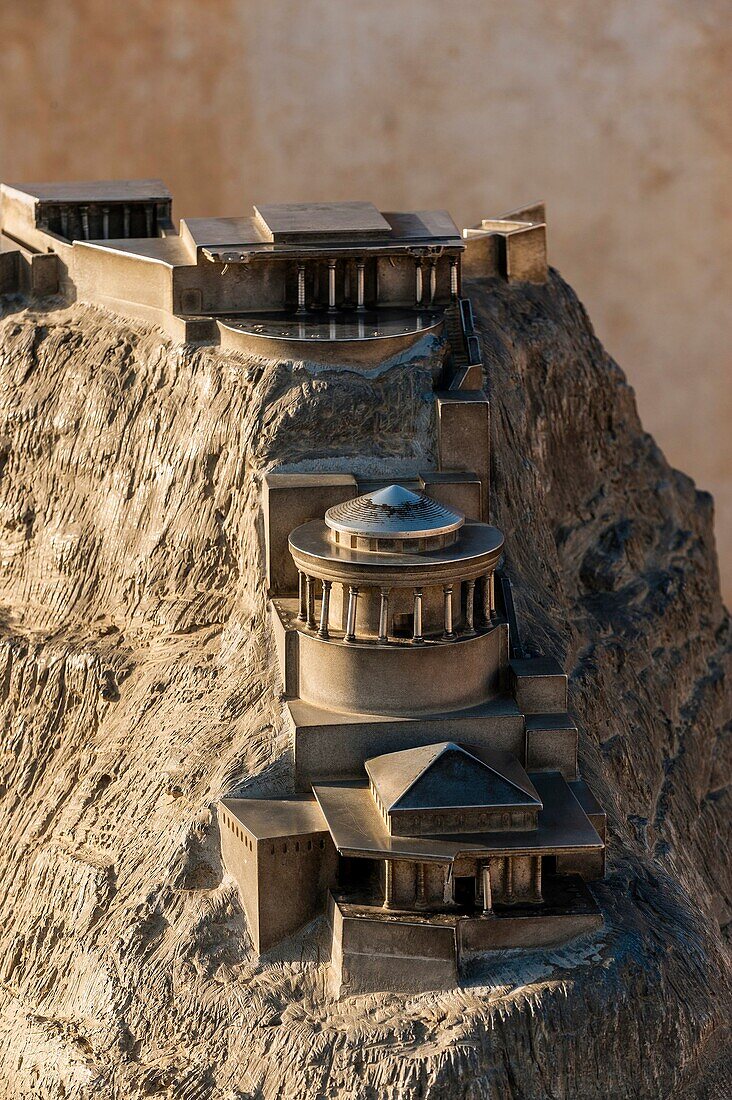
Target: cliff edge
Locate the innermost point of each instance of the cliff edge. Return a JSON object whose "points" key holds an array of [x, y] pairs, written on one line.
{"points": [[138, 686]]}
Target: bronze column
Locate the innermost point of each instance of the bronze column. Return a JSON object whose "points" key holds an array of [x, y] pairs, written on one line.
{"points": [[303, 607], [470, 607], [351, 614], [332, 286], [301, 288], [487, 890], [417, 632], [418, 288], [325, 610], [360, 284], [384, 616], [447, 596]]}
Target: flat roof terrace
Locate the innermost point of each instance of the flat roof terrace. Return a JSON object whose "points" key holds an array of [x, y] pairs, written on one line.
{"points": [[321, 228], [290, 223], [268, 818], [170, 250]]}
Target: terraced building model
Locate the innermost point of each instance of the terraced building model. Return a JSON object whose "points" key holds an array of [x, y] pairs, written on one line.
{"points": [[306, 517], [444, 813]]}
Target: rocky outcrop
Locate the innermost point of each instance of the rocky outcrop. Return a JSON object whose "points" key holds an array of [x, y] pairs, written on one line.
{"points": [[138, 687]]}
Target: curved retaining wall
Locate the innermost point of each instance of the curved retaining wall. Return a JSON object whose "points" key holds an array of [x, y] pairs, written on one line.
{"points": [[357, 354], [399, 680]]}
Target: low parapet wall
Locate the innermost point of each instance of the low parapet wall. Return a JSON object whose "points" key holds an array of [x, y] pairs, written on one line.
{"points": [[135, 286], [23, 271], [360, 353]]}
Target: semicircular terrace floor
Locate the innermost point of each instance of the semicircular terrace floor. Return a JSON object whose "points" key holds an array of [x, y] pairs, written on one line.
{"points": [[343, 325]]}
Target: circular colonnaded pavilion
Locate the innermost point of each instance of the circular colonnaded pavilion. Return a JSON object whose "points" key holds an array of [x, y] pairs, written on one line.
{"points": [[407, 585]]}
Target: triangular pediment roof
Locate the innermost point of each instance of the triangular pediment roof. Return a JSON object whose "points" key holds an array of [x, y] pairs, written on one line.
{"points": [[449, 775]]}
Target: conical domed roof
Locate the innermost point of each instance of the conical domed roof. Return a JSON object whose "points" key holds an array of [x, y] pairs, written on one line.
{"points": [[394, 513]]}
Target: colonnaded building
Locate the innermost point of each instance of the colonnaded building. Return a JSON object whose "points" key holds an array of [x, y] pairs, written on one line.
{"points": [[437, 811]]}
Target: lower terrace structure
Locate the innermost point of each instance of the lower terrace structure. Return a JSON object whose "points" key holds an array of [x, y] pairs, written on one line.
{"points": [[441, 813]]}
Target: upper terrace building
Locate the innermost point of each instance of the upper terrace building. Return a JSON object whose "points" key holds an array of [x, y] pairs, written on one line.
{"points": [[318, 281], [290, 274]]}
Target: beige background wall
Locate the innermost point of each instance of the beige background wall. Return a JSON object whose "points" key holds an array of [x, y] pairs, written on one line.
{"points": [[617, 112]]}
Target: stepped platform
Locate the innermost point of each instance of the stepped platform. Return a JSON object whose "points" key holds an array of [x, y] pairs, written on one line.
{"points": [[373, 948], [330, 745]]}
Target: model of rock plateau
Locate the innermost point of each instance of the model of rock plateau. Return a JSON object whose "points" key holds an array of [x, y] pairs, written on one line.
{"points": [[140, 686]]}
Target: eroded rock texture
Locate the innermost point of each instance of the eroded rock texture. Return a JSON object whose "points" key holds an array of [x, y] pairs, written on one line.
{"points": [[138, 686]]}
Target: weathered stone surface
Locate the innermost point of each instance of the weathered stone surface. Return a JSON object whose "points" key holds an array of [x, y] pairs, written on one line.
{"points": [[139, 685]]}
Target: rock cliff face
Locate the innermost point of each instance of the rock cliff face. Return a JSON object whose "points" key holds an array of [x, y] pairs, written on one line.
{"points": [[138, 686]]}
